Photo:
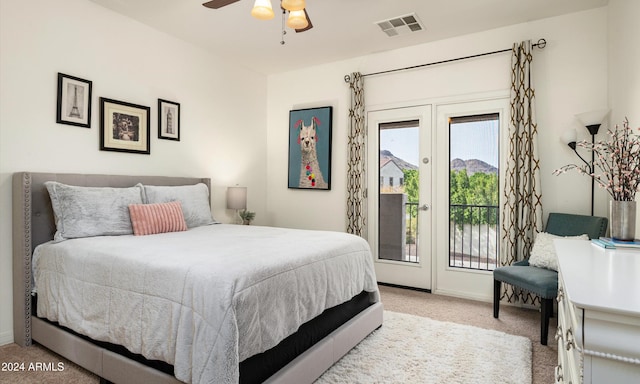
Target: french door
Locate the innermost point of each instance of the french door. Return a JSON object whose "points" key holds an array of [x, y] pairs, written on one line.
{"points": [[400, 195], [466, 221]]}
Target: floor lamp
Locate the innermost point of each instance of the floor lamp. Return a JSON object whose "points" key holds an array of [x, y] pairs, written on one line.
{"points": [[592, 121]]}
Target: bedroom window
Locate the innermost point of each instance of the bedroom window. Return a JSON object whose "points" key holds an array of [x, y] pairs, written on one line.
{"points": [[473, 191]]}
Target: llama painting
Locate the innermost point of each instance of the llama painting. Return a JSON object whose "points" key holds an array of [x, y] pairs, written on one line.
{"points": [[310, 148], [310, 171]]}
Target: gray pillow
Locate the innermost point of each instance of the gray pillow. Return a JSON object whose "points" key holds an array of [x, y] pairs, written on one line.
{"points": [[91, 211], [194, 200]]}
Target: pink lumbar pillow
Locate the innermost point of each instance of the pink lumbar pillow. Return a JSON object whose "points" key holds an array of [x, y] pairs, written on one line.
{"points": [[149, 219]]}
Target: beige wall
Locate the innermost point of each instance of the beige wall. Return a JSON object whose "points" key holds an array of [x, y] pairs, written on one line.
{"points": [[624, 65], [131, 62], [624, 61], [571, 77]]}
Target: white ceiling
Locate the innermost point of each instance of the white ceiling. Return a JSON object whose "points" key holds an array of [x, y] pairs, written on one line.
{"points": [[342, 28]]}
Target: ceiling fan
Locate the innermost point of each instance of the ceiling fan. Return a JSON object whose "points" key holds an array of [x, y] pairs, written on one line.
{"points": [[298, 17]]}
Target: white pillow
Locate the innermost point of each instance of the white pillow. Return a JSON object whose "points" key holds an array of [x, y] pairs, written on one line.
{"points": [[91, 211], [193, 198], [543, 253]]}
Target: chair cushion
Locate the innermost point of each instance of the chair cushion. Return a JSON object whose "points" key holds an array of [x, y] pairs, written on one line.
{"points": [[543, 282]]}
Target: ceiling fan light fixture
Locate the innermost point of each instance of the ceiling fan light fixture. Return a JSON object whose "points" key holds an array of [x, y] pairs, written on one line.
{"points": [[293, 5], [262, 10], [297, 20]]}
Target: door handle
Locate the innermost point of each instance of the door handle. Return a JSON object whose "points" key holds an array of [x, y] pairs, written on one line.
{"points": [[424, 207]]}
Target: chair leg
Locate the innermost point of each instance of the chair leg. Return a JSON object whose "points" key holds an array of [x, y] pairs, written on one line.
{"points": [[546, 311], [496, 297]]}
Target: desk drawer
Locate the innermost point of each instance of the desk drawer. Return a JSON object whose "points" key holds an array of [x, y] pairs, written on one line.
{"points": [[569, 336]]}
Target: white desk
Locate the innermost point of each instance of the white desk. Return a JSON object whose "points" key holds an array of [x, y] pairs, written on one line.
{"points": [[598, 314]]}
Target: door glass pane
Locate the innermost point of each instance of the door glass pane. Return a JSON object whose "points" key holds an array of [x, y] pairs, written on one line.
{"points": [[473, 191], [398, 191]]}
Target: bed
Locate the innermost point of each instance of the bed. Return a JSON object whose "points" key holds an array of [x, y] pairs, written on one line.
{"points": [[309, 340]]}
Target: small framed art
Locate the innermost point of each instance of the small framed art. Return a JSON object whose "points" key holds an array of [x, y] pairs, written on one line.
{"points": [[74, 101], [168, 120], [310, 148], [124, 127]]}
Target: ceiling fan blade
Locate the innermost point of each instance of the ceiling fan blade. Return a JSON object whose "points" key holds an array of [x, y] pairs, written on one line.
{"points": [[215, 4], [309, 26]]}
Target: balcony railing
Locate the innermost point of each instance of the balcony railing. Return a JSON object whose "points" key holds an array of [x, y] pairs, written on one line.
{"points": [[411, 214], [473, 237]]}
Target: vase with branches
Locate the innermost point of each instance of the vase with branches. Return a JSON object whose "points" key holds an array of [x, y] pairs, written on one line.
{"points": [[617, 162]]}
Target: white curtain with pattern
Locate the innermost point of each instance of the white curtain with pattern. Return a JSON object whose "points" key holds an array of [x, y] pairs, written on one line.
{"points": [[356, 167], [521, 200]]}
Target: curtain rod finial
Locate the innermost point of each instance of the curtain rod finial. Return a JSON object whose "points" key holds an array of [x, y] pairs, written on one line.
{"points": [[347, 78], [541, 43]]}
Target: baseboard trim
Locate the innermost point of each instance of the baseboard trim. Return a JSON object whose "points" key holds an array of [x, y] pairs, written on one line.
{"points": [[464, 295], [6, 337]]}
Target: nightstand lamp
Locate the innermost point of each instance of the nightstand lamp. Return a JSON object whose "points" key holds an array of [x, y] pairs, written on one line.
{"points": [[237, 199]]}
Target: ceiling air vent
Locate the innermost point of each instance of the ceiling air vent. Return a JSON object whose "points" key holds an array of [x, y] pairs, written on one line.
{"points": [[401, 25]]}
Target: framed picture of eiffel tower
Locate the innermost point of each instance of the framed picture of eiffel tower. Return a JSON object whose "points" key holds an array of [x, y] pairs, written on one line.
{"points": [[74, 101]]}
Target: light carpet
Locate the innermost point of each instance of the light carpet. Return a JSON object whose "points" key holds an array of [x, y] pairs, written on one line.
{"points": [[413, 349]]}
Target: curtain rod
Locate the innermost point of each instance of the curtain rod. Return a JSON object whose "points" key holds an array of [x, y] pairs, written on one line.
{"points": [[540, 44]]}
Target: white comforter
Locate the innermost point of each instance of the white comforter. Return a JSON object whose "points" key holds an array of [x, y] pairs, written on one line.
{"points": [[202, 300]]}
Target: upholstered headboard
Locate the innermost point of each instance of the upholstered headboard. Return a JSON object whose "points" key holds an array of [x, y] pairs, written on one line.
{"points": [[34, 224]]}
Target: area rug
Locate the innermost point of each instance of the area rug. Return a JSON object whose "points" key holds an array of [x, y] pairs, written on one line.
{"points": [[413, 349]]}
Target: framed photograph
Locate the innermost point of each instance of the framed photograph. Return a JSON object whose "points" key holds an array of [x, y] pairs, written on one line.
{"points": [[310, 148], [168, 120], [124, 127], [74, 101]]}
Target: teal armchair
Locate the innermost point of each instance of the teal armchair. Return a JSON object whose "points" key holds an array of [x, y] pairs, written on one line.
{"points": [[544, 282]]}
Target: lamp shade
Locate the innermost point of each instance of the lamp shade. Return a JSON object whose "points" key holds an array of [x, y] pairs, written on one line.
{"points": [[237, 198], [293, 5], [592, 117], [262, 10], [569, 136], [297, 20]]}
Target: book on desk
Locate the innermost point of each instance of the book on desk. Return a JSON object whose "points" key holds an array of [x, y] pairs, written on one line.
{"points": [[609, 243]]}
